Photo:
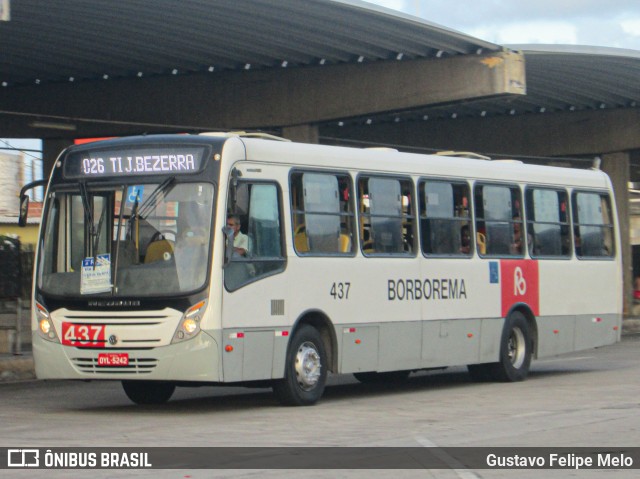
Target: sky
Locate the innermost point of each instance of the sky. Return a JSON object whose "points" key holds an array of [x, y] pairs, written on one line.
{"points": [[613, 23]]}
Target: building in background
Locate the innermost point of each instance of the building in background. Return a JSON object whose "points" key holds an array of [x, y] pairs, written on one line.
{"points": [[17, 170]]}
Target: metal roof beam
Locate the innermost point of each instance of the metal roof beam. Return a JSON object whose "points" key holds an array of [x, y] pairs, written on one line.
{"points": [[276, 98], [547, 134]]}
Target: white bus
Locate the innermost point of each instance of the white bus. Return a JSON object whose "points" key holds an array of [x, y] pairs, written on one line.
{"points": [[363, 261]]}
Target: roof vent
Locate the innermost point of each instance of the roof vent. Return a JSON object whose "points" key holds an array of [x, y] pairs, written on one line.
{"points": [[381, 148], [244, 134], [463, 154], [509, 160]]}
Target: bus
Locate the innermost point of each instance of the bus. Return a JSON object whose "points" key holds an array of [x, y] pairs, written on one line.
{"points": [[370, 262]]}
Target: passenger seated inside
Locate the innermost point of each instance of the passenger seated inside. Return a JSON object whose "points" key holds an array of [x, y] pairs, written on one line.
{"points": [[465, 240], [517, 246]]}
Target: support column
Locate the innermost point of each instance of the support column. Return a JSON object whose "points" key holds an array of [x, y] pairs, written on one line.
{"points": [[50, 151], [302, 133], [616, 165]]}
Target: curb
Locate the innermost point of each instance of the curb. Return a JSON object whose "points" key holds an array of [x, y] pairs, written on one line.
{"points": [[16, 368]]}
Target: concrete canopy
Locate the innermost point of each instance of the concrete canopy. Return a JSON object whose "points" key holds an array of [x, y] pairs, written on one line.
{"points": [[346, 69], [89, 67]]}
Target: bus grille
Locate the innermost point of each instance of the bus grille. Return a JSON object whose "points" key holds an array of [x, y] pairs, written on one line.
{"points": [[136, 365]]}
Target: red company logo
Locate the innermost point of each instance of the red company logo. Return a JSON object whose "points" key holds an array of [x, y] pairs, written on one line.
{"points": [[520, 284]]}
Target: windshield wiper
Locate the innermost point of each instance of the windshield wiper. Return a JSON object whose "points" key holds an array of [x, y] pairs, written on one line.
{"points": [[133, 228], [114, 287], [88, 216], [150, 202]]}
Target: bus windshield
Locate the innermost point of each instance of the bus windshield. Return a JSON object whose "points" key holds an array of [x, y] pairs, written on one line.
{"points": [[127, 240]]}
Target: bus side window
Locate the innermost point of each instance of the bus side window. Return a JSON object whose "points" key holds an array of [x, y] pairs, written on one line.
{"points": [[593, 225], [387, 215], [499, 220], [547, 222], [258, 207], [322, 213], [444, 218]]}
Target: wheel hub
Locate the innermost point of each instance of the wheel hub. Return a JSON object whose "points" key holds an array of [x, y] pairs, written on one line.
{"points": [[516, 348], [308, 366]]}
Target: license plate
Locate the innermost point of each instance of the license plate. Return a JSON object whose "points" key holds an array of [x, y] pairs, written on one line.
{"points": [[113, 359], [83, 335]]}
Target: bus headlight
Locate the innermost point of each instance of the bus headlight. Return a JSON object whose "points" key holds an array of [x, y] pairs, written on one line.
{"points": [[45, 326], [189, 325]]}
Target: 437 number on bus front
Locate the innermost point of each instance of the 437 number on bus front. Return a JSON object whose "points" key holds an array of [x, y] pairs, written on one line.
{"points": [[83, 335]]}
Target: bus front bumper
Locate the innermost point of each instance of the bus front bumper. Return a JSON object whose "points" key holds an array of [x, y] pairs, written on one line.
{"points": [[196, 360]]}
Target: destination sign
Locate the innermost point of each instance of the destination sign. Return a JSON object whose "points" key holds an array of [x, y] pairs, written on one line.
{"points": [[172, 160]]}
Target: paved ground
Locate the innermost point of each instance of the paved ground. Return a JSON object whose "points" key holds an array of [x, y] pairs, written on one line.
{"points": [[588, 399]]}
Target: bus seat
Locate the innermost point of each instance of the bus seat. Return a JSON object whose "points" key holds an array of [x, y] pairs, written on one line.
{"points": [[345, 243], [482, 243], [157, 250], [300, 240]]}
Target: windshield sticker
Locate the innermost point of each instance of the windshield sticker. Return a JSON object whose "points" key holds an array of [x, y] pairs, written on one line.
{"points": [[96, 278], [134, 193]]}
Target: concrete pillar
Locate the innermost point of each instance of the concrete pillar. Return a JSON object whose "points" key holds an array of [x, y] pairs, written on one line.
{"points": [[616, 165], [50, 151], [302, 133]]}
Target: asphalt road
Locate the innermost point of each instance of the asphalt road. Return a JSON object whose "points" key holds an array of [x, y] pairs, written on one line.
{"points": [[590, 399]]}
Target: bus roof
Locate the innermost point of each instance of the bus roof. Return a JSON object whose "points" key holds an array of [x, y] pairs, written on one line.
{"points": [[391, 161], [263, 149]]}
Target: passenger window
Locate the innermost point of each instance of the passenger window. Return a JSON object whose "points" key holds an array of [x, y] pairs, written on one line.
{"points": [[593, 225], [444, 218], [257, 207], [323, 218], [499, 221], [387, 218], [548, 223]]}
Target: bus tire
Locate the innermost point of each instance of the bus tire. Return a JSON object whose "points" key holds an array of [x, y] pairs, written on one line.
{"points": [[148, 392], [515, 350], [305, 369], [515, 354]]}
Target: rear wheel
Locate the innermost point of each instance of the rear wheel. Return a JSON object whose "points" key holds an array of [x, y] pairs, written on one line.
{"points": [[515, 350], [148, 392], [305, 369], [515, 353]]}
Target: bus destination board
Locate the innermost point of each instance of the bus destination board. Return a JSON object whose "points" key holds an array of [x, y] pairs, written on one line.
{"points": [[174, 160]]}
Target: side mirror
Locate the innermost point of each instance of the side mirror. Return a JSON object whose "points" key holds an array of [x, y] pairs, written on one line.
{"points": [[24, 200], [228, 245], [24, 210]]}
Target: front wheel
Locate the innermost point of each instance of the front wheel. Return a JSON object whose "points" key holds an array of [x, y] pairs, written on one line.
{"points": [[148, 392], [305, 370]]}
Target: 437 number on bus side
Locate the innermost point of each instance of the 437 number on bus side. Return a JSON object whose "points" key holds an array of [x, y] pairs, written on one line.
{"points": [[340, 290]]}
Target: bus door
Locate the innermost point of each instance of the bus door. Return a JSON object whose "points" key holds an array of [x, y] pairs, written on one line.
{"points": [[253, 308]]}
